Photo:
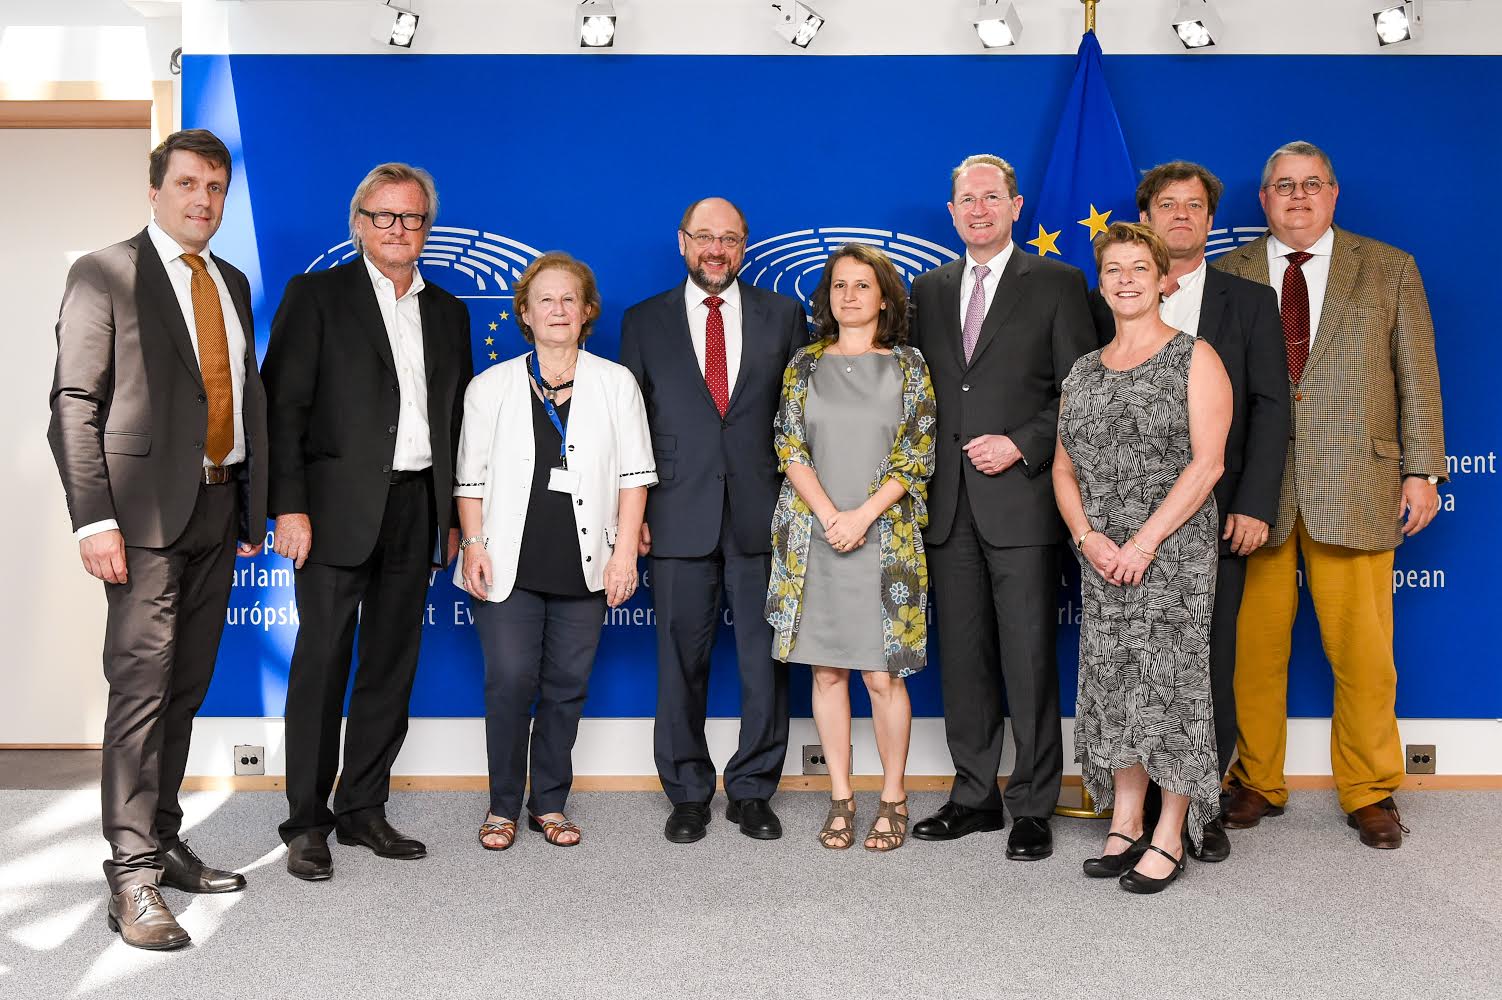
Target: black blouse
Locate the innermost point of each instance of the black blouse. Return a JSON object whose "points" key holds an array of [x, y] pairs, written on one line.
{"points": [[549, 558]]}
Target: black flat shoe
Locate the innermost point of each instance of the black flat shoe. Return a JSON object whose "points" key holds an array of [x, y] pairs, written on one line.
{"points": [[1214, 844], [954, 821], [688, 822], [378, 835], [1031, 839], [1146, 885], [1112, 865], [755, 817]]}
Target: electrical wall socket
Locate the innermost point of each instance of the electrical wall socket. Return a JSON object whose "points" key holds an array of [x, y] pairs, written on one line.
{"points": [[1421, 758], [250, 759], [813, 759]]}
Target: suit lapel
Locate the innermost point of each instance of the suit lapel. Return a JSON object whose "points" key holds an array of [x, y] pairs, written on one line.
{"points": [[949, 307], [1212, 308], [432, 342], [367, 312], [1009, 289], [155, 292], [754, 319], [681, 342], [242, 310], [1345, 263]]}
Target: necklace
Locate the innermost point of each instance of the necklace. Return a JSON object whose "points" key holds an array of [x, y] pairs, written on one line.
{"points": [[848, 366], [558, 373], [551, 391]]}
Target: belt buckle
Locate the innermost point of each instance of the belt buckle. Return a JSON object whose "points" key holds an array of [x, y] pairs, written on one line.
{"points": [[215, 475]]}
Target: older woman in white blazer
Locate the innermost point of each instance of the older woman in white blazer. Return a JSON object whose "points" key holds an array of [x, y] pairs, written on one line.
{"points": [[554, 463]]}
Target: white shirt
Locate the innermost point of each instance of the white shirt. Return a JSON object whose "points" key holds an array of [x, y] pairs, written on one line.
{"points": [[403, 319], [997, 264], [1316, 273], [1181, 310], [180, 276], [609, 446], [730, 311]]}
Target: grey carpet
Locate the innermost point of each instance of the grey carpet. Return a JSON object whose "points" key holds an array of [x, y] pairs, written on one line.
{"points": [[1301, 910]]}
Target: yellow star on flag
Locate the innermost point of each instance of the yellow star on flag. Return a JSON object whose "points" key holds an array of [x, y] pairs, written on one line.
{"points": [[1046, 242], [493, 326], [492, 355], [1097, 222], [505, 314], [489, 341]]}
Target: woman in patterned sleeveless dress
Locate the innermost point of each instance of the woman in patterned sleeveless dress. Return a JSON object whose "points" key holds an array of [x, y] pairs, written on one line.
{"points": [[1142, 433]]}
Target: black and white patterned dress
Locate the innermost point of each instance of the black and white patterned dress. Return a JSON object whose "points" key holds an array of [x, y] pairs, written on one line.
{"points": [[1144, 681]]}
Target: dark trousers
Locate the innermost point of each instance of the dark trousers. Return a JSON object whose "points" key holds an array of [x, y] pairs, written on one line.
{"points": [[998, 612], [160, 641], [539, 649], [687, 594], [387, 593]]}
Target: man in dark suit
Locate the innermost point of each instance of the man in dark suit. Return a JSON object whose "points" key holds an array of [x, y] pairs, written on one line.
{"points": [[1000, 330], [159, 432], [709, 355], [1239, 318], [365, 374]]}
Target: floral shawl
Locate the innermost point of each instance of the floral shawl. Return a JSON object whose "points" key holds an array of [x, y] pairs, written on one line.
{"points": [[904, 571]]}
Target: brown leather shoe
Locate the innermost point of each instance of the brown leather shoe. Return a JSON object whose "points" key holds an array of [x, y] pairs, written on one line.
{"points": [[1379, 824], [1246, 808], [141, 918]]}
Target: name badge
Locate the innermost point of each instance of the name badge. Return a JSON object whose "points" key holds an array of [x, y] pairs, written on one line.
{"points": [[564, 480]]}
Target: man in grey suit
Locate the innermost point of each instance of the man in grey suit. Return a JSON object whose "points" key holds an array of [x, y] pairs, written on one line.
{"points": [[159, 432]]}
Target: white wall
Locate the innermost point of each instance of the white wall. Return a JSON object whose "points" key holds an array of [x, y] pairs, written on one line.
{"points": [[69, 191]]}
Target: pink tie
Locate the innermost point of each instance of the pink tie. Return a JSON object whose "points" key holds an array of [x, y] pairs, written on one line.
{"points": [[715, 375], [975, 312]]}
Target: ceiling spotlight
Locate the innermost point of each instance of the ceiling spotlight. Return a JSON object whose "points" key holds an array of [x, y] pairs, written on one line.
{"points": [[998, 28], [596, 23], [1399, 22], [797, 23], [1197, 24], [391, 25]]}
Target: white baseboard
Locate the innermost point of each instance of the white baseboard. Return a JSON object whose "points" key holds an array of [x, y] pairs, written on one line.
{"points": [[624, 746]]}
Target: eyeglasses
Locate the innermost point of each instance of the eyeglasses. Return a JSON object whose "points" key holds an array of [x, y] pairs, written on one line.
{"points": [[1311, 186], [730, 241], [989, 200], [411, 221]]}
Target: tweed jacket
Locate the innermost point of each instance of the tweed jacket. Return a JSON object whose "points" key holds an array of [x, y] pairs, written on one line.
{"points": [[1367, 410], [904, 568]]}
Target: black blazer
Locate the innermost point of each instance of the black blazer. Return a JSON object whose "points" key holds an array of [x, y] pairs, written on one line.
{"points": [[1037, 327], [701, 457], [1240, 319], [128, 407], [333, 404]]}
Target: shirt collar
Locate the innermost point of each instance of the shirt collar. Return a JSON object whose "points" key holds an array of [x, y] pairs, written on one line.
{"points": [[376, 279], [997, 264], [1323, 247], [1193, 279], [167, 247], [694, 296]]}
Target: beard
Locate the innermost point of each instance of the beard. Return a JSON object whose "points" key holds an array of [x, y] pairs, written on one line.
{"points": [[703, 280]]}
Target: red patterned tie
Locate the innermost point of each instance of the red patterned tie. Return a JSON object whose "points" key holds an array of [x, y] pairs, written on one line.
{"points": [[715, 374], [1295, 309]]}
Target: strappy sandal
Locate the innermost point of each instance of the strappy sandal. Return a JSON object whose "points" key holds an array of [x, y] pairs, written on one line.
{"points": [[506, 830], [553, 829], [836, 838], [888, 840]]}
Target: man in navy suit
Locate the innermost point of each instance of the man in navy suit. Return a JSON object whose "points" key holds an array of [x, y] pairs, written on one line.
{"points": [[709, 355]]}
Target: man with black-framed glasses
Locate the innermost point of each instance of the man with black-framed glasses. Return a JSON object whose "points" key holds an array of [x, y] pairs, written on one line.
{"points": [[1366, 453], [709, 356], [365, 376]]}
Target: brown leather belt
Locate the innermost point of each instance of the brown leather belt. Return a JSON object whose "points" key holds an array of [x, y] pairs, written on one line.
{"points": [[218, 475]]}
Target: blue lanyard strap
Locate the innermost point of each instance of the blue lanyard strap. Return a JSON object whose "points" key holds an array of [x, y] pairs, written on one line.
{"points": [[547, 404]]}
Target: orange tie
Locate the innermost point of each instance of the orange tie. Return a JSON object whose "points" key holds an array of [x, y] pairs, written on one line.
{"points": [[213, 361]]}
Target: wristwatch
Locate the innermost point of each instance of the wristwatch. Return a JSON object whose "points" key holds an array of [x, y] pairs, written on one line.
{"points": [[1433, 480]]}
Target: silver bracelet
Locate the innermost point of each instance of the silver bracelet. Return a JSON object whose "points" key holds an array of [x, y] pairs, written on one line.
{"points": [[470, 541]]}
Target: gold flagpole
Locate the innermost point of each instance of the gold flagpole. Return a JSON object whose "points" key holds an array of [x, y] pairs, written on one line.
{"points": [[1089, 13]]}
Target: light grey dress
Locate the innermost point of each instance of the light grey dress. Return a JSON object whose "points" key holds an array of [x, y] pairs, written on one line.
{"points": [[850, 422]]}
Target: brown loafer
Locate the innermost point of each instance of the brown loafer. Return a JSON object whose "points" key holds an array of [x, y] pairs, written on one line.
{"points": [[1379, 824], [1246, 809], [141, 918]]}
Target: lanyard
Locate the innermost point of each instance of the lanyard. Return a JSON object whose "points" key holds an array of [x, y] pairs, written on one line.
{"points": [[547, 404]]}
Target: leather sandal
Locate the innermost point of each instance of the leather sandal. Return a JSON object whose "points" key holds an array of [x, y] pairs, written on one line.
{"points": [[506, 830], [888, 840], [553, 829], [1112, 865], [839, 838]]}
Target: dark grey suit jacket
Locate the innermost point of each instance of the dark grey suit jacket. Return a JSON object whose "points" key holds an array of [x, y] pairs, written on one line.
{"points": [[701, 456], [129, 412], [1037, 327]]}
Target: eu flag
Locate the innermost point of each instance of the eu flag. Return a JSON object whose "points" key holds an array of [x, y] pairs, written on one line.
{"points": [[1090, 181]]}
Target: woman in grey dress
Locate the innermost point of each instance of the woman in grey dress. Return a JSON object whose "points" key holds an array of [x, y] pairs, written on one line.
{"points": [[849, 584], [1142, 434]]}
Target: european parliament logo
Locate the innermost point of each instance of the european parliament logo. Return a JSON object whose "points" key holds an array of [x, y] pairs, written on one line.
{"points": [[481, 268], [791, 263], [1225, 240]]}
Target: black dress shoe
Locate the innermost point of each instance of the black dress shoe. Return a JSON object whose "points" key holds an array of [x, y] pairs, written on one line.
{"points": [[954, 821], [1112, 865], [380, 836], [1031, 839], [1146, 885], [1214, 844], [688, 822], [182, 870], [756, 818], [308, 857]]}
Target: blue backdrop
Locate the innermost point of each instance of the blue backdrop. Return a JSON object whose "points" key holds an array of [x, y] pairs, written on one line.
{"points": [[599, 156]]}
